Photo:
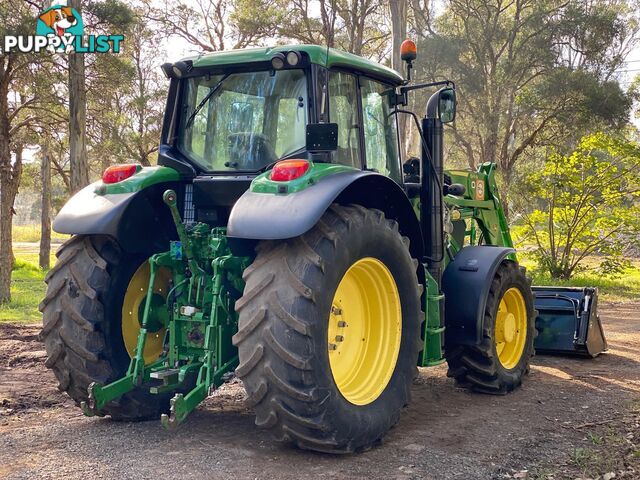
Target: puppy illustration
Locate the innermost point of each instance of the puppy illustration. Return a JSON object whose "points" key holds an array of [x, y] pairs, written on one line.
{"points": [[59, 19]]}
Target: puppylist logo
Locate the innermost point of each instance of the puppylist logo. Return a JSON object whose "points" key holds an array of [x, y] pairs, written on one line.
{"points": [[60, 29]]}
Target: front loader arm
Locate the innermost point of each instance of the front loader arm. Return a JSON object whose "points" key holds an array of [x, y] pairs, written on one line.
{"points": [[480, 203]]}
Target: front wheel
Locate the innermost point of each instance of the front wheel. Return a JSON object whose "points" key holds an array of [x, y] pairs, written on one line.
{"points": [[329, 331], [499, 362]]}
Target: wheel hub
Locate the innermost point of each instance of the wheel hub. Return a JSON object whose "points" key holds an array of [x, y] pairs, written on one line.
{"points": [[364, 331], [133, 308], [511, 328]]}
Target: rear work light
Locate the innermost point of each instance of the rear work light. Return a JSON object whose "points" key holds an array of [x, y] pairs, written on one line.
{"points": [[118, 173], [289, 170]]}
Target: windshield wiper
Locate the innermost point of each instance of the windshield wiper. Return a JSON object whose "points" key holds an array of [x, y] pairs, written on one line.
{"points": [[206, 98]]}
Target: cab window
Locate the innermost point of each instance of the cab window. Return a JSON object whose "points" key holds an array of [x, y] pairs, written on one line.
{"points": [[380, 129], [343, 110], [243, 121]]}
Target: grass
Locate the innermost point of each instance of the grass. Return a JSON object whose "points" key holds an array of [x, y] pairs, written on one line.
{"points": [[607, 455], [27, 290], [618, 289], [27, 286], [606, 450], [31, 233], [595, 438]]}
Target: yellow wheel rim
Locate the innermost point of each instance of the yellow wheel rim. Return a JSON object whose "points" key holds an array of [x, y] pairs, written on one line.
{"points": [[133, 307], [511, 328], [365, 328]]}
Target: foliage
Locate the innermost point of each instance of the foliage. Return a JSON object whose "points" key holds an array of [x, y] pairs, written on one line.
{"points": [[529, 73], [588, 202], [356, 26], [613, 289], [214, 25]]}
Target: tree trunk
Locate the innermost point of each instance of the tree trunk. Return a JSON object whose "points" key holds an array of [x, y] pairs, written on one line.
{"points": [[9, 181], [45, 215], [398, 34], [77, 118], [6, 254]]}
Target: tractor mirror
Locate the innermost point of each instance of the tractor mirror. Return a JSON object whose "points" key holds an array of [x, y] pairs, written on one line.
{"points": [[322, 137], [447, 105]]}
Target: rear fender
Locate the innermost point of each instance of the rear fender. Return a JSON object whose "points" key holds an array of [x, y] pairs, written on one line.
{"points": [[131, 211], [267, 216], [465, 284]]}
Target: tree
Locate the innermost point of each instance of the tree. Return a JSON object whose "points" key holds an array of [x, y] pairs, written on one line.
{"points": [[529, 72], [398, 10], [99, 17], [16, 100], [45, 211], [589, 203], [146, 102], [127, 101], [214, 25], [78, 161], [356, 26]]}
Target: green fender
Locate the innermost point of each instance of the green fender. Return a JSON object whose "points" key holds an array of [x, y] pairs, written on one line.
{"points": [[276, 216], [131, 211]]}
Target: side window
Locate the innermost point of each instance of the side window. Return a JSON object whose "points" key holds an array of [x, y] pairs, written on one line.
{"points": [[343, 110], [291, 128], [380, 134]]}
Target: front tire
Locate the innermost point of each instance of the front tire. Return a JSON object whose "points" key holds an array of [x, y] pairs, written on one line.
{"points": [[499, 362], [296, 304]]}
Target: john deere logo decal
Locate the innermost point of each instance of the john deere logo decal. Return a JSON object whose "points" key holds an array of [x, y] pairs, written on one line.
{"points": [[60, 29]]}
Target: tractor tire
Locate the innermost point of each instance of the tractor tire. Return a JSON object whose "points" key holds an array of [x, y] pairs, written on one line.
{"points": [[289, 354], [81, 324], [496, 367]]}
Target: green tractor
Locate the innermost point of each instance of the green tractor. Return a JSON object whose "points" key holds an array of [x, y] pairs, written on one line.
{"points": [[281, 239]]}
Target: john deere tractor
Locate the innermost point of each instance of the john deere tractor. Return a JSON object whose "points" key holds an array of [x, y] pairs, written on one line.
{"points": [[283, 240]]}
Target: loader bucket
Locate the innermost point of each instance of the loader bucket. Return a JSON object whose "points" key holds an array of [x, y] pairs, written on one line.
{"points": [[568, 321]]}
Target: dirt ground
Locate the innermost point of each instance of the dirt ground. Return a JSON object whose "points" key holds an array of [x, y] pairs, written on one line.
{"points": [[573, 418]]}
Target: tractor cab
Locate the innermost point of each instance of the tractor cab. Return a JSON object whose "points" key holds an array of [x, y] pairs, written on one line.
{"points": [[232, 116]]}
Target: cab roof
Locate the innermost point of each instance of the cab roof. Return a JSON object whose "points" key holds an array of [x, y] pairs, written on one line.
{"points": [[318, 54]]}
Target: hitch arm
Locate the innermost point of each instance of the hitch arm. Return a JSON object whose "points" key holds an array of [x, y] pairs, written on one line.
{"points": [[137, 373], [170, 199]]}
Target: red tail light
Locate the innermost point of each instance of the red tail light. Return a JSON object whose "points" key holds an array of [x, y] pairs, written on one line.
{"points": [[118, 173], [289, 170]]}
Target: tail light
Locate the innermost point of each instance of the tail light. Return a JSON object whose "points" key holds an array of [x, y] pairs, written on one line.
{"points": [[289, 170], [118, 173]]}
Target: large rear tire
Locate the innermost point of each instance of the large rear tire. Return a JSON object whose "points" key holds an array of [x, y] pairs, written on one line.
{"points": [[82, 318], [329, 331], [499, 362]]}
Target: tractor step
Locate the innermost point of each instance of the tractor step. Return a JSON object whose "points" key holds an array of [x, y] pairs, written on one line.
{"points": [[568, 321]]}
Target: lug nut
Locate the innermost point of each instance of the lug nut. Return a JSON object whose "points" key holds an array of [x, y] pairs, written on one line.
{"points": [[342, 323], [339, 338], [336, 311], [332, 346]]}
